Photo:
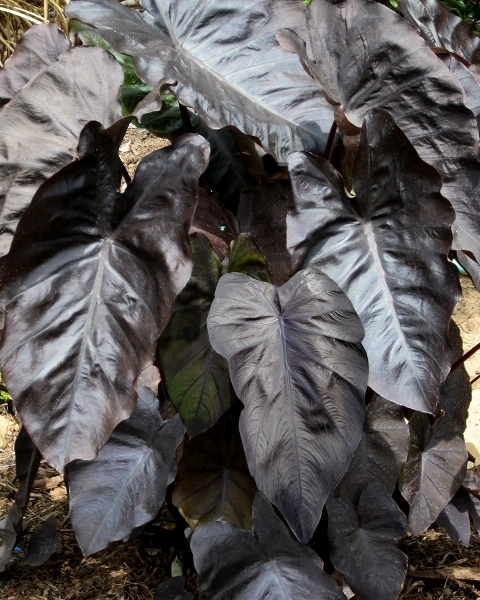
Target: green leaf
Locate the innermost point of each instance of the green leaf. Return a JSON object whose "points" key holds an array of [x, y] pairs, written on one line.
{"points": [[244, 256]]}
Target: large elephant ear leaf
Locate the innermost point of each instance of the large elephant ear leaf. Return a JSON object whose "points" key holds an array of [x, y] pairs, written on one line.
{"points": [[124, 486], [297, 366], [425, 99], [213, 481], [440, 28], [213, 54], [196, 377], [234, 564], [38, 136], [89, 286], [363, 539], [381, 452], [172, 589], [39, 47], [434, 470], [387, 249]]}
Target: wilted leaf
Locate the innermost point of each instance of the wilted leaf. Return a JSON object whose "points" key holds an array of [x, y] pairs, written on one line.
{"points": [[229, 66], [441, 28], [90, 283], [363, 542], [172, 589], [124, 486], [39, 47], [387, 249], [234, 564], [213, 481], [39, 128], [44, 541], [454, 517], [434, 469], [297, 366], [381, 452], [406, 79]]}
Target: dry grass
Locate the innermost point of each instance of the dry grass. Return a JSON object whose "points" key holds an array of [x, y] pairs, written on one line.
{"points": [[16, 16]]}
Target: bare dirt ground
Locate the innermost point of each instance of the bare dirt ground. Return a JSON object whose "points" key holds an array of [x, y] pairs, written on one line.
{"points": [[132, 570]]}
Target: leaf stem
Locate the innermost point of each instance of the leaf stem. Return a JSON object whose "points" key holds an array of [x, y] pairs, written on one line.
{"points": [[331, 139], [464, 358], [187, 124]]}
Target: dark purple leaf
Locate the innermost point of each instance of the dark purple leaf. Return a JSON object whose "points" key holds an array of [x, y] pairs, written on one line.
{"points": [[366, 56], [454, 517], [213, 481], [264, 564], [196, 376], [229, 66], [10, 527], [39, 47], [244, 256], [381, 452], [471, 266], [387, 249], [297, 366], [43, 543], [216, 222], [90, 283], [434, 469], [39, 128], [456, 390], [172, 589], [124, 486], [262, 213], [441, 28], [363, 542]]}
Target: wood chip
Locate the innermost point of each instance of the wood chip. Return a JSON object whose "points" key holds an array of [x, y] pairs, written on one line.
{"points": [[49, 483], [461, 573]]}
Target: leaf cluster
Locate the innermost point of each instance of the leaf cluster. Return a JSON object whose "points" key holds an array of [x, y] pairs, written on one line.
{"points": [[256, 328]]}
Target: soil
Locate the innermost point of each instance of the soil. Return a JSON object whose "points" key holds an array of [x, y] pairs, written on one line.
{"points": [[132, 570]]}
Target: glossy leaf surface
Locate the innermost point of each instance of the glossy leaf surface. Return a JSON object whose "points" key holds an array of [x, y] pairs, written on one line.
{"points": [[363, 542], [381, 452], [39, 47], [434, 469], [81, 86], [296, 364], [408, 80], [441, 28], [387, 249], [125, 486], [44, 541], [90, 284], [222, 49], [265, 564], [213, 481]]}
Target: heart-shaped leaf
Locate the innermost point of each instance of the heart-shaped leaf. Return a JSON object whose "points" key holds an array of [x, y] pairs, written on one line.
{"points": [[172, 589], [434, 470], [44, 541], [441, 28], [362, 536], [408, 80], [39, 47], [297, 366], [38, 136], [381, 452], [222, 50], [387, 249], [90, 283], [213, 481], [234, 564], [125, 486]]}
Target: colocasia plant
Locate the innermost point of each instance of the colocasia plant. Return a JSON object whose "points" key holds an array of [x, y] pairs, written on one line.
{"points": [[283, 269]]}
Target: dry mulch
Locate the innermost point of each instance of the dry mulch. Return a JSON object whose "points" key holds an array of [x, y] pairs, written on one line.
{"points": [[132, 570]]}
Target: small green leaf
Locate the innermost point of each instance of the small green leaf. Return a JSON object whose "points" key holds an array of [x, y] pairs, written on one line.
{"points": [[176, 568]]}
